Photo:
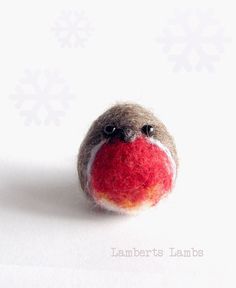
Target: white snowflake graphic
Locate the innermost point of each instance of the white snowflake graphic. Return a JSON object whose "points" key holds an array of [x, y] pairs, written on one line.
{"points": [[193, 40], [72, 29], [42, 97]]}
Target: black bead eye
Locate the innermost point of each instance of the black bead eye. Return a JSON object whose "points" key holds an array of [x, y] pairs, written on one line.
{"points": [[148, 130], [109, 130]]}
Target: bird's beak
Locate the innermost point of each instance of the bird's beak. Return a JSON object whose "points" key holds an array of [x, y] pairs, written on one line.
{"points": [[125, 134]]}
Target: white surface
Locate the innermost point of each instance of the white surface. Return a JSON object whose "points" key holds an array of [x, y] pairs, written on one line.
{"points": [[50, 236]]}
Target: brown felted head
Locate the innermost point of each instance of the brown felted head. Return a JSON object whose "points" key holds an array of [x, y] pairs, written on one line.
{"points": [[128, 118]]}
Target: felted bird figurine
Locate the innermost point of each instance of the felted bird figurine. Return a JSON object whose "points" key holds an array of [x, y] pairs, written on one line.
{"points": [[128, 160]]}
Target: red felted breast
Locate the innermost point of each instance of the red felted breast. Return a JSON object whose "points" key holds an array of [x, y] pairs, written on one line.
{"points": [[127, 172]]}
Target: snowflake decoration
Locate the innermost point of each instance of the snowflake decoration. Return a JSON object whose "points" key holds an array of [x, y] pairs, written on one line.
{"points": [[193, 39], [42, 97], [72, 29]]}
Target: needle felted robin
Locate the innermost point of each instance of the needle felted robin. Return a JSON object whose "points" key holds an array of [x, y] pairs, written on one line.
{"points": [[128, 159]]}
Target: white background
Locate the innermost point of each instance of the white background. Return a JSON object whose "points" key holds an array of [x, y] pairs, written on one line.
{"points": [[49, 235]]}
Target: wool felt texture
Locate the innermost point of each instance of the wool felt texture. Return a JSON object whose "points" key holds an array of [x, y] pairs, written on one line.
{"points": [[130, 174], [125, 176]]}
